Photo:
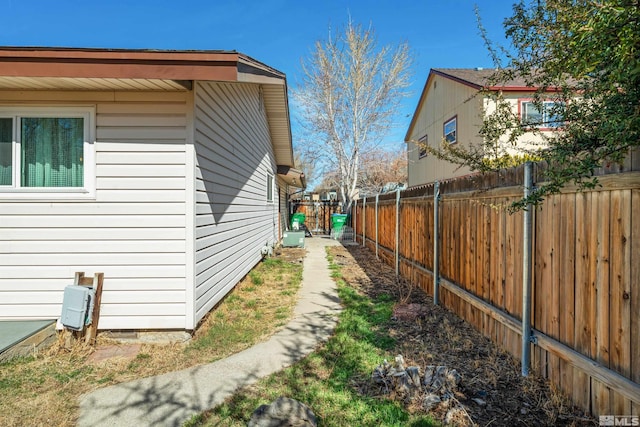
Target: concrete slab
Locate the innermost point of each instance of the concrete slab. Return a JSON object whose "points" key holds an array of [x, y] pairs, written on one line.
{"points": [[13, 332], [171, 399]]}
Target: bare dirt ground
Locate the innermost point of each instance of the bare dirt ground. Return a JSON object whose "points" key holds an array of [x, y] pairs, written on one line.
{"points": [[492, 390]]}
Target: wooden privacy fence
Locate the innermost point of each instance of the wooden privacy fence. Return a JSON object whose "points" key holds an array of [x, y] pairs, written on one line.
{"points": [[585, 305]]}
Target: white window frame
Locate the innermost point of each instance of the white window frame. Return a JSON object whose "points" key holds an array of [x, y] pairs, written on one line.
{"points": [[453, 120], [545, 123], [270, 187], [88, 190], [422, 152]]}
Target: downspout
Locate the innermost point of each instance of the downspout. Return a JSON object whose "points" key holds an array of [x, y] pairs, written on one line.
{"points": [[526, 273]]}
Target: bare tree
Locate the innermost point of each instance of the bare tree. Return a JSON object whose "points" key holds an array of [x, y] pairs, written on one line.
{"points": [[348, 99], [382, 167]]}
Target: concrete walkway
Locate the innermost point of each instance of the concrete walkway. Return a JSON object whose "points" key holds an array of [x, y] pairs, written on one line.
{"points": [[171, 399]]}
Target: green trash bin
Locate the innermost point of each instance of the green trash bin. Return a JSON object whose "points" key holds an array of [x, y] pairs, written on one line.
{"points": [[338, 222], [297, 219]]}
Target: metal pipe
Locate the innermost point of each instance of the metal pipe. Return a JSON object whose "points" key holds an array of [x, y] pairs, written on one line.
{"points": [[377, 226], [397, 232], [354, 219], [364, 221], [526, 272], [436, 246]]}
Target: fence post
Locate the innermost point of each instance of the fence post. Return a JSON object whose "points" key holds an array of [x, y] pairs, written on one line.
{"points": [[436, 246], [364, 221], [376, 225], [397, 232], [526, 272], [354, 218]]}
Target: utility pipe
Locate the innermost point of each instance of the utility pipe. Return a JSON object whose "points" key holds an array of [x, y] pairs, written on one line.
{"points": [[397, 232], [436, 246], [354, 219], [364, 221], [526, 272]]}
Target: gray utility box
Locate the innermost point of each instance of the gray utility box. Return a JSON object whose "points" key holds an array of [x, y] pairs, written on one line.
{"points": [[77, 307], [293, 239]]}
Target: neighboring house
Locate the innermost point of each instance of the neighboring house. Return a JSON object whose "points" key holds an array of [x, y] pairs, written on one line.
{"points": [[452, 109], [165, 170]]}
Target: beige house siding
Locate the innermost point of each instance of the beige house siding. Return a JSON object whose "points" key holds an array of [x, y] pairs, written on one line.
{"points": [[234, 157], [134, 231], [446, 99]]}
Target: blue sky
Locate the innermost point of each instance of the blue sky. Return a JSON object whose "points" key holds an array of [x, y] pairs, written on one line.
{"points": [[441, 33]]}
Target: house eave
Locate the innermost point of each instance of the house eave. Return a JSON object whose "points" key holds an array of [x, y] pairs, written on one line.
{"points": [[87, 69]]}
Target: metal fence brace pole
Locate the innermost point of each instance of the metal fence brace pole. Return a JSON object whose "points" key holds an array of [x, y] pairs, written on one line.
{"points": [[354, 219], [377, 226], [397, 232], [526, 272], [364, 222], [436, 246]]}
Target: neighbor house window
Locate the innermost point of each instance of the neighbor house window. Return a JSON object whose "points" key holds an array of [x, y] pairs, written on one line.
{"points": [[45, 150], [451, 130], [269, 188], [423, 146], [549, 117]]}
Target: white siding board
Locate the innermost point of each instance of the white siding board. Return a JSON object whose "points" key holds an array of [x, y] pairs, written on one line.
{"points": [[104, 259], [138, 195], [233, 219], [160, 158], [66, 273], [112, 208], [123, 183], [134, 231], [133, 170], [101, 233], [92, 246], [158, 146], [114, 284], [82, 221]]}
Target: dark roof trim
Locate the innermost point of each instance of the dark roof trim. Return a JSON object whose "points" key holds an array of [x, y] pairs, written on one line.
{"points": [[213, 65], [291, 176]]}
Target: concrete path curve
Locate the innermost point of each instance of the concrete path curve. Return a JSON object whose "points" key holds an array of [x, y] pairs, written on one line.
{"points": [[171, 399]]}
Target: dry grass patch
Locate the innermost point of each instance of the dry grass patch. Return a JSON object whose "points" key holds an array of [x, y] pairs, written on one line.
{"points": [[43, 390]]}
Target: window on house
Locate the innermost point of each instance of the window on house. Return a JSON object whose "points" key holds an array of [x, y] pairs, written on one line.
{"points": [[423, 146], [44, 149], [549, 117], [451, 130], [269, 188]]}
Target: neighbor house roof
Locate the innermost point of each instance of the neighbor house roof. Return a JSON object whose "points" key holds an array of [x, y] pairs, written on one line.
{"points": [[51, 68], [477, 78]]}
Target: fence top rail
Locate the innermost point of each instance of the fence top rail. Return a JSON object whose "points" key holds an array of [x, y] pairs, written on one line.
{"points": [[509, 184]]}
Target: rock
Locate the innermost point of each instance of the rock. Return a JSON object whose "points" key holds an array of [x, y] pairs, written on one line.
{"points": [[414, 374], [283, 412], [402, 383], [456, 416], [430, 400], [479, 402], [399, 363]]}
